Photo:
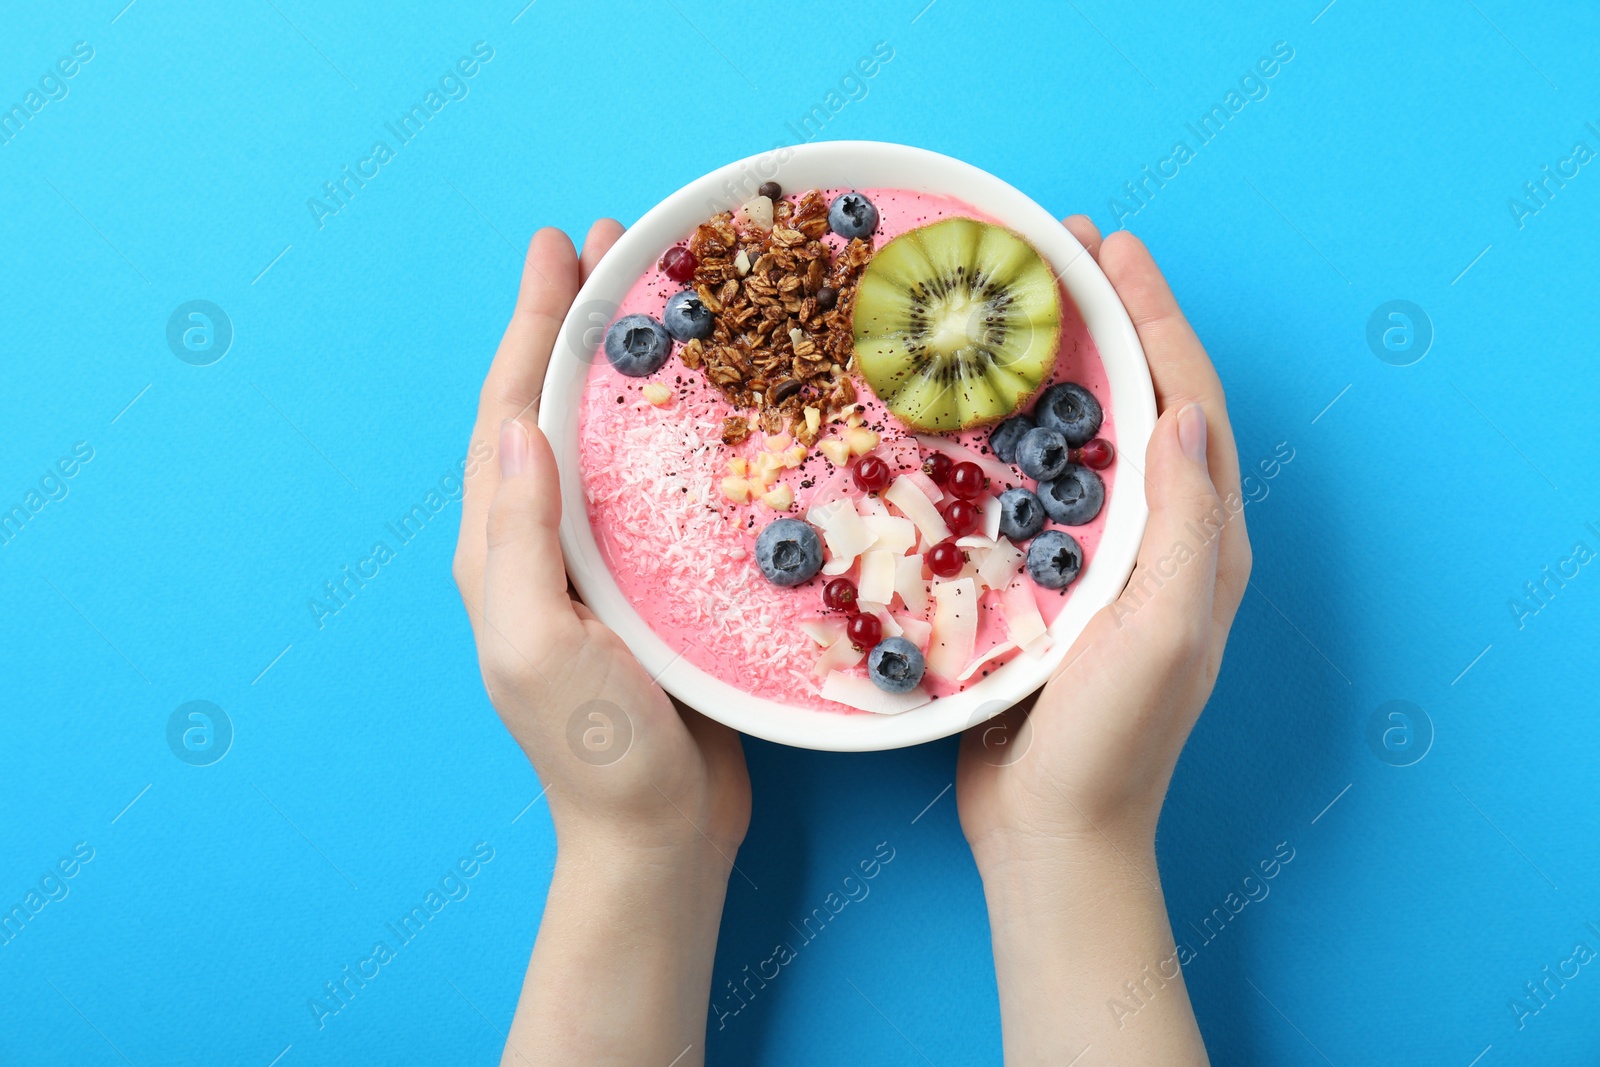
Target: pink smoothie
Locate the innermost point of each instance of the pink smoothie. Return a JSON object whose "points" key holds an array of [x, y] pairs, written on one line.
{"points": [[684, 555]]}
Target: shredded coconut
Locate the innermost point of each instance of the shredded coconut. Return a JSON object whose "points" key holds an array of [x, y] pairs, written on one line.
{"points": [[680, 553]]}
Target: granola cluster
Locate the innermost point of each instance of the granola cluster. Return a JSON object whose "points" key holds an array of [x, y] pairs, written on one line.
{"points": [[781, 304]]}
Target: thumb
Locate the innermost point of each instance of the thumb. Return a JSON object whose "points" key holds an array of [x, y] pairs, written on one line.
{"points": [[524, 578], [1177, 570]]}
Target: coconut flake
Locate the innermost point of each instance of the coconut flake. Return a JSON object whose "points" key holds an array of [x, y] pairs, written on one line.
{"points": [[1001, 564], [838, 565], [859, 692], [868, 506], [915, 630], [891, 628], [846, 535], [1021, 611], [1039, 645], [901, 453], [823, 631], [756, 212], [910, 584], [916, 505], [877, 576], [893, 533], [955, 627], [993, 654], [839, 656], [996, 470], [929, 487], [991, 517]]}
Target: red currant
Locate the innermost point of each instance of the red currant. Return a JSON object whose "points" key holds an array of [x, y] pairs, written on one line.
{"points": [[872, 474], [839, 594], [967, 480], [946, 559], [678, 263], [1096, 455], [962, 516], [864, 630], [937, 467]]}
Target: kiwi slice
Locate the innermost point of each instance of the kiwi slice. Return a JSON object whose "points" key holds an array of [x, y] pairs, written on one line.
{"points": [[956, 324]]}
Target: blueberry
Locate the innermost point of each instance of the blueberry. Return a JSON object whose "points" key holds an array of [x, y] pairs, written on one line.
{"points": [[1021, 514], [1054, 559], [686, 318], [1003, 442], [788, 551], [1075, 498], [637, 345], [852, 215], [1070, 410], [1042, 454], [895, 665]]}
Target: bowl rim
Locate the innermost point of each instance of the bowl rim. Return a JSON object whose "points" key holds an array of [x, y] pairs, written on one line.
{"points": [[856, 164]]}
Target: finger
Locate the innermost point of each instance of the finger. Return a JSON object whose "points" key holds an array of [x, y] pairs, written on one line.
{"points": [[1087, 233], [1170, 596], [1179, 366], [1182, 373], [602, 235], [524, 582], [549, 283]]}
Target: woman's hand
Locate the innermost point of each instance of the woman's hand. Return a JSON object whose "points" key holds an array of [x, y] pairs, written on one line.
{"points": [[649, 802], [1060, 803]]}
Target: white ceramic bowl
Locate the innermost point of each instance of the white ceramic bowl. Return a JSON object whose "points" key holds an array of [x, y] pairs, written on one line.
{"points": [[859, 164]]}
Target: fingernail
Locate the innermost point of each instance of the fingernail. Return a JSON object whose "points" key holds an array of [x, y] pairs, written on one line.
{"points": [[1192, 432], [513, 448]]}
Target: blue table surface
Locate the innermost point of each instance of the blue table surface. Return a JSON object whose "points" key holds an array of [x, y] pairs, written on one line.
{"points": [[1440, 153]]}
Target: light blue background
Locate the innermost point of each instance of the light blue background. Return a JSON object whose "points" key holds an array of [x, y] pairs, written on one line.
{"points": [[367, 760]]}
